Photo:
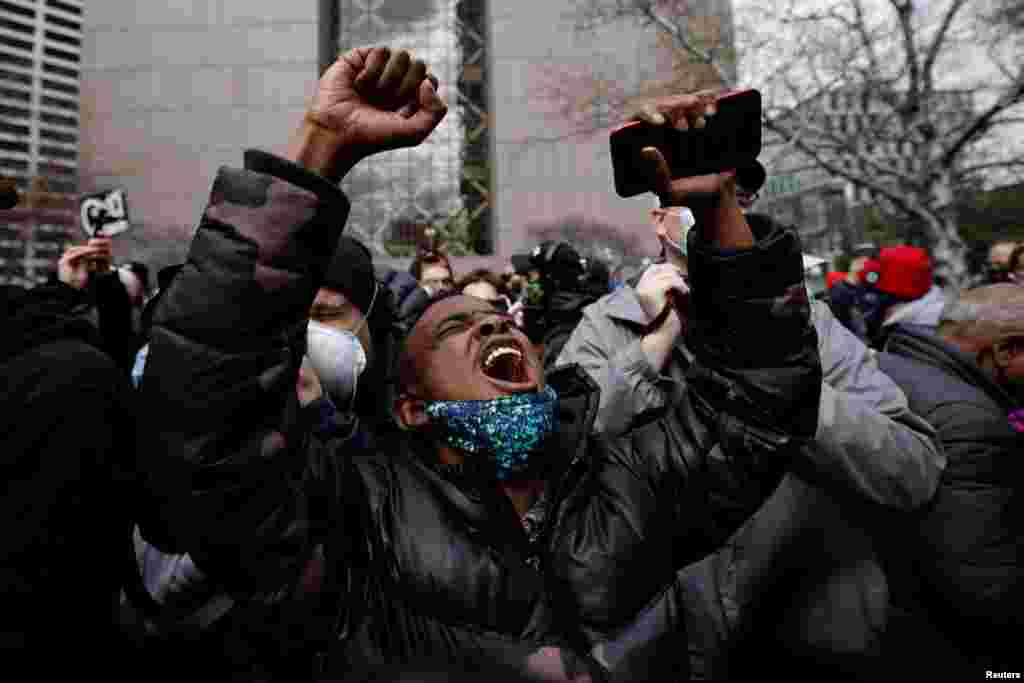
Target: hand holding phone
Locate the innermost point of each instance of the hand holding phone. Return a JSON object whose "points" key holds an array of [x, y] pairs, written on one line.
{"points": [[698, 135]]}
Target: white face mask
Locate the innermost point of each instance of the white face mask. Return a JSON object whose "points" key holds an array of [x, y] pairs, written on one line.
{"points": [[338, 359]]}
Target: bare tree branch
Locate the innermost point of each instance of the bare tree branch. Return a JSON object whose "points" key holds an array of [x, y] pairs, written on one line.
{"points": [[897, 130], [684, 42], [845, 150], [904, 11], [841, 172], [1005, 121], [861, 27], [980, 123], [937, 43], [1009, 163]]}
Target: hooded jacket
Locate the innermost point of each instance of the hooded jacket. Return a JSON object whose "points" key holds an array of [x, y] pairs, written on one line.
{"points": [[391, 557]]}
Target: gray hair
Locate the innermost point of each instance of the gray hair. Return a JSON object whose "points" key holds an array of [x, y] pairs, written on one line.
{"points": [[992, 312]]}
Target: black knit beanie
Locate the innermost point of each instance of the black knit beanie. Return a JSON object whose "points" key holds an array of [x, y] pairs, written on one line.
{"points": [[351, 273]]}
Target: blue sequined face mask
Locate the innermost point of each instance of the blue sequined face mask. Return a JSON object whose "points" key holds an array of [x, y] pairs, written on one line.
{"points": [[506, 429]]}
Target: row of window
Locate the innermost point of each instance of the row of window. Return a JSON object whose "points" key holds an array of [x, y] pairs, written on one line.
{"points": [[46, 135], [29, 30], [66, 49], [22, 80], [23, 11], [15, 275], [65, 7], [27, 63], [16, 165], [15, 77], [60, 183], [15, 111], [47, 168], [47, 232]]}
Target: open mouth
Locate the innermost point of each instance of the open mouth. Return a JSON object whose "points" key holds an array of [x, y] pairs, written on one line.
{"points": [[505, 362]]}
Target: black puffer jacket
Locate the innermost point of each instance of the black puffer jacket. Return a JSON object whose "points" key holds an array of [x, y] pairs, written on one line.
{"points": [[420, 560], [960, 562], [66, 449]]}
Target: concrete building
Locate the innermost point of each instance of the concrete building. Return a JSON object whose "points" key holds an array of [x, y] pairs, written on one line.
{"points": [[172, 90], [40, 54]]}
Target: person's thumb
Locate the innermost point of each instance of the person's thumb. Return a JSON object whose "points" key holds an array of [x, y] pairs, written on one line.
{"points": [[657, 170]]}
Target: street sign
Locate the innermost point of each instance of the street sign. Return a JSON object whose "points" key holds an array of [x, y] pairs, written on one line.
{"points": [[782, 184]]}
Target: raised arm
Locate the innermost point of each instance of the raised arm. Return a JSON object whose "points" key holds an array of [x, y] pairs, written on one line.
{"points": [[632, 387], [240, 487], [667, 494]]}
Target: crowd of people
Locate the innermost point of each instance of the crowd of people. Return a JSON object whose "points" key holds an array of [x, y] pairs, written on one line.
{"points": [[286, 462]]}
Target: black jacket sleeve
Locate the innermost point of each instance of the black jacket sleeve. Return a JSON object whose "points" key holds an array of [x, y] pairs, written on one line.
{"points": [[228, 460], [115, 319], [750, 330]]}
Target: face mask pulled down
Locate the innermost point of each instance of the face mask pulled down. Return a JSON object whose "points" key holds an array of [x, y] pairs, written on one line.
{"points": [[506, 430], [338, 359]]}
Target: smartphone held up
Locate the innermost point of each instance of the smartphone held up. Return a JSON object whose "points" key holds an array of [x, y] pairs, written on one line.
{"points": [[730, 139]]}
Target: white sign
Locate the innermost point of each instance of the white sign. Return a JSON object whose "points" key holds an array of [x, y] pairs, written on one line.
{"points": [[782, 184], [104, 214]]}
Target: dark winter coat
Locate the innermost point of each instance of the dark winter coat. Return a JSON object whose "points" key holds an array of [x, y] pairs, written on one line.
{"points": [[421, 560], [68, 438], [959, 563]]}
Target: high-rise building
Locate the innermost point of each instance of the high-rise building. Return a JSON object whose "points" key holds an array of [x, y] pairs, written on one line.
{"points": [[40, 55]]}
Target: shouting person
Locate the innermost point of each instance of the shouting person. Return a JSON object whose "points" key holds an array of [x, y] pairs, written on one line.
{"points": [[497, 527]]}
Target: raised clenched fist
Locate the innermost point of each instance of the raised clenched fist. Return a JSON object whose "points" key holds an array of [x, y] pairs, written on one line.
{"points": [[372, 100]]}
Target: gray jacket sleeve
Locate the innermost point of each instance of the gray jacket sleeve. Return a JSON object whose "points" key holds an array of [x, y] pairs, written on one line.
{"points": [[868, 440], [611, 355]]}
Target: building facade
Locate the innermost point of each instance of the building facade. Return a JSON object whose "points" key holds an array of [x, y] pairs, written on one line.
{"points": [[171, 91], [40, 62]]}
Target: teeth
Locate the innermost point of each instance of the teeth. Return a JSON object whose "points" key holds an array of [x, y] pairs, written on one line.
{"points": [[499, 352]]}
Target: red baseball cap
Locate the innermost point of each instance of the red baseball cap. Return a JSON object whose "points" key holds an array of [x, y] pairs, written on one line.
{"points": [[904, 272]]}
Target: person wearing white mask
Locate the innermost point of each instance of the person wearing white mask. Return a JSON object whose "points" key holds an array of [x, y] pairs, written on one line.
{"points": [[340, 393], [342, 379]]}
